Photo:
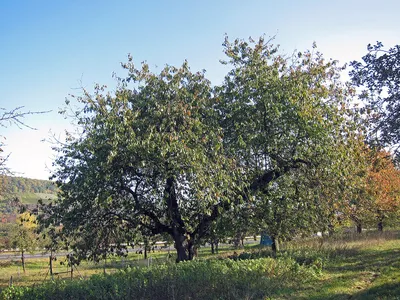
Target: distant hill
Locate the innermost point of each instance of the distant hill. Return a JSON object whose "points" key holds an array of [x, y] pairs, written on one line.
{"points": [[28, 185], [26, 190]]}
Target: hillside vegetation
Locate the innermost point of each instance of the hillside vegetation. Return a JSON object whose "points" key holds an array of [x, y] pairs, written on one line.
{"points": [[27, 185], [26, 190]]}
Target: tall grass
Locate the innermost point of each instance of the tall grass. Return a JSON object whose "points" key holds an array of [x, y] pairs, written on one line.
{"points": [[206, 279], [255, 273]]}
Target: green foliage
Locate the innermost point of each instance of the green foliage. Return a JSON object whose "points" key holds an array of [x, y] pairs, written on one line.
{"points": [[360, 266], [28, 185], [287, 122], [18, 191], [5, 238], [143, 162], [379, 75], [211, 279], [169, 153], [23, 235]]}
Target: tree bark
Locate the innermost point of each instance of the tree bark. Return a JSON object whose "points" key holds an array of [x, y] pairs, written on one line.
{"points": [[191, 249], [380, 218], [330, 230], [275, 244], [359, 227], [380, 225], [212, 248], [23, 260], [180, 246], [51, 264]]}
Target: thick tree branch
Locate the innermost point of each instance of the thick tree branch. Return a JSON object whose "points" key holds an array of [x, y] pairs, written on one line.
{"points": [[172, 204], [271, 175], [206, 220], [158, 226]]}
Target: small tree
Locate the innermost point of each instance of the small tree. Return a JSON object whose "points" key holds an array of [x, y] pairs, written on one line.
{"points": [[23, 236], [383, 187]]}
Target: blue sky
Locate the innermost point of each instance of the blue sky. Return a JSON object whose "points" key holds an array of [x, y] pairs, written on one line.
{"points": [[48, 49]]}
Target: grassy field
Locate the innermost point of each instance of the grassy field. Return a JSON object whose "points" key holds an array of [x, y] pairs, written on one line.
{"points": [[363, 266], [32, 198], [358, 267], [37, 269]]}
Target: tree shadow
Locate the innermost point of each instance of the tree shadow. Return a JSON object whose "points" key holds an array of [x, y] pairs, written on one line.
{"points": [[383, 291], [371, 260]]}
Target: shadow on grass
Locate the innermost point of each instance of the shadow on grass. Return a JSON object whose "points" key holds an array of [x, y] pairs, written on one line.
{"points": [[367, 274], [370, 260], [383, 291]]}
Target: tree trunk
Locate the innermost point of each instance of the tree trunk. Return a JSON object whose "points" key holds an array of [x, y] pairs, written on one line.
{"points": [[145, 251], [380, 218], [23, 260], [191, 249], [216, 246], [51, 264], [359, 227], [237, 240], [380, 225], [330, 230], [181, 247], [181, 253], [275, 244], [212, 248]]}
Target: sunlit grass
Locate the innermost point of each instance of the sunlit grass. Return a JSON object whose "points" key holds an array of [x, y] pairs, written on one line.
{"points": [[365, 266], [37, 269], [356, 266]]}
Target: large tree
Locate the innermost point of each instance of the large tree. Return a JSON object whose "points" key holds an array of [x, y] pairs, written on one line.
{"points": [[379, 74], [287, 121], [148, 156], [169, 153]]}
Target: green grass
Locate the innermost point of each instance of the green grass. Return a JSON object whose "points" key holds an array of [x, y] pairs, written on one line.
{"points": [[37, 269], [200, 279], [363, 266], [33, 198]]}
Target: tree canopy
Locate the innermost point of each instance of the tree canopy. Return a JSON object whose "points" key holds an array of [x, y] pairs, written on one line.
{"points": [[150, 156], [287, 121], [170, 153], [379, 74]]}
